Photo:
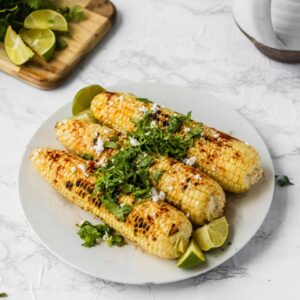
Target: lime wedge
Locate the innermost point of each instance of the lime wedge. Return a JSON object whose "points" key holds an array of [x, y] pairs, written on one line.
{"points": [[84, 98], [212, 235], [46, 19], [15, 48], [41, 41], [192, 257], [85, 115]]}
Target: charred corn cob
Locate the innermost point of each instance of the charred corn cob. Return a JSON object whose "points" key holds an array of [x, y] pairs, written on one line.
{"points": [[188, 189], [158, 228], [231, 162]]}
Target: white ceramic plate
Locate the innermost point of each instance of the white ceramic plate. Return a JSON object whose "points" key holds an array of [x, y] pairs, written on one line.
{"points": [[53, 218]]}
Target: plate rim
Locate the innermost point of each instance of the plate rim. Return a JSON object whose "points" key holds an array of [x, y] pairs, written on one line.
{"points": [[160, 282]]}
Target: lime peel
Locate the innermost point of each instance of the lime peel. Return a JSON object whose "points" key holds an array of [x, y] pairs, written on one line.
{"points": [[212, 235], [192, 257], [84, 97], [15, 48]]}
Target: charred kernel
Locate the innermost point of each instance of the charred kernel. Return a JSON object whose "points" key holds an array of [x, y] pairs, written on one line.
{"points": [[69, 184], [78, 182], [173, 230]]}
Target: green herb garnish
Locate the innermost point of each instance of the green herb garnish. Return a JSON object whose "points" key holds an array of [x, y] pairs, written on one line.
{"points": [[91, 234], [3, 294], [87, 156], [73, 14], [153, 139], [126, 172], [111, 145], [156, 175], [283, 180], [144, 100], [176, 121]]}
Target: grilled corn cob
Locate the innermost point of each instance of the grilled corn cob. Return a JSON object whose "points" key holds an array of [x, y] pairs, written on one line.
{"points": [[231, 162], [158, 228], [188, 189]]}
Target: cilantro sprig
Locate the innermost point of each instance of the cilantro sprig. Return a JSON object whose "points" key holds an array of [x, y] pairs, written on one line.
{"points": [[283, 180], [92, 234]]}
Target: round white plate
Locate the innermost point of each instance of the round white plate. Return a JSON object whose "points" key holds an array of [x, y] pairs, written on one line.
{"points": [[53, 218]]}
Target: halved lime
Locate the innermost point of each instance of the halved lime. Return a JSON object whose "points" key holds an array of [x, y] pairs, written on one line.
{"points": [[192, 257], [212, 235], [15, 48], [84, 98], [46, 19], [85, 115], [41, 41]]}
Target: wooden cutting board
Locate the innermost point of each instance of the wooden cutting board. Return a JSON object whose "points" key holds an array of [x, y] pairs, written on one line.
{"points": [[84, 36]]}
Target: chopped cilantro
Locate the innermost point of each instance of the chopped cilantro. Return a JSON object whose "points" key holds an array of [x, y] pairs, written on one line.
{"points": [[92, 233], [89, 234], [87, 156], [111, 145], [115, 240], [144, 100], [156, 175], [283, 180], [126, 172], [73, 14], [154, 139], [176, 121]]}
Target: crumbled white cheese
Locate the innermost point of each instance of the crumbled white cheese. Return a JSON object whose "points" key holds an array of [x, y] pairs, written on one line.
{"points": [[73, 169], [121, 98], [187, 129], [197, 176], [103, 161], [143, 109], [162, 196], [190, 161], [155, 195], [148, 133], [83, 169], [105, 237], [152, 124], [170, 188], [98, 147], [216, 135], [154, 108], [246, 143], [133, 142], [188, 215], [122, 204]]}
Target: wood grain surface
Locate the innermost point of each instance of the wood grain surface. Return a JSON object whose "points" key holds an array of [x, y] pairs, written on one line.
{"points": [[83, 38]]}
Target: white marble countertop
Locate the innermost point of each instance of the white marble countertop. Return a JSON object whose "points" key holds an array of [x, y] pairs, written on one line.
{"points": [[188, 43]]}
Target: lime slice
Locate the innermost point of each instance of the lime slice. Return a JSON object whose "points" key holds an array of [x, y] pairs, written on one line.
{"points": [[15, 48], [46, 19], [192, 257], [212, 235], [84, 98], [85, 115], [42, 41]]}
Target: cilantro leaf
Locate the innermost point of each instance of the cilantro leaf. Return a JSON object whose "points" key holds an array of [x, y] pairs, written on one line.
{"points": [[144, 100], [156, 175], [89, 234], [41, 4], [283, 180], [115, 240], [119, 211], [176, 121], [87, 156], [92, 233], [111, 145], [73, 14]]}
